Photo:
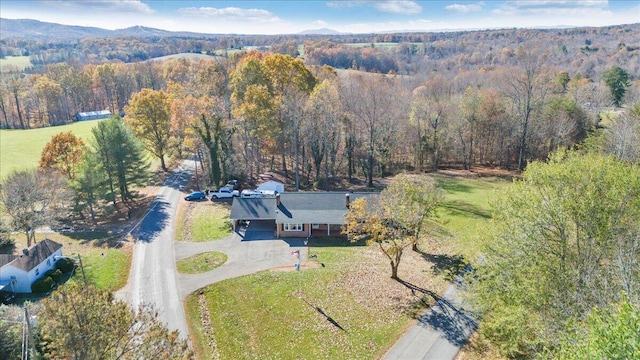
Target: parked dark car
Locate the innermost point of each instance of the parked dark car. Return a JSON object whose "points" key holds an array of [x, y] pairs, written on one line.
{"points": [[233, 184], [196, 195]]}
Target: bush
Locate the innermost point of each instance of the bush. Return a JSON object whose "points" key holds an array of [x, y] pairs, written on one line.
{"points": [[43, 284], [65, 265], [56, 275]]}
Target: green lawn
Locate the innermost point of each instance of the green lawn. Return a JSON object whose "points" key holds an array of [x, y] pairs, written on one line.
{"points": [[106, 268], [202, 262], [15, 63], [21, 149], [206, 221], [465, 211], [261, 317]]}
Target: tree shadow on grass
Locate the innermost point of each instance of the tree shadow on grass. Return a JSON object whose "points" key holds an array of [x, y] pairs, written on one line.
{"points": [[461, 208], [454, 323], [321, 312], [450, 266]]}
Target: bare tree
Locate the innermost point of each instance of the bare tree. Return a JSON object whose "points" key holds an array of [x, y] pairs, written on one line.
{"points": [[526, 88], [31, 197]]}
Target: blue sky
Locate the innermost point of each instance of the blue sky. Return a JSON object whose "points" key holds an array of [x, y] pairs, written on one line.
{"points": [[355, 16]]}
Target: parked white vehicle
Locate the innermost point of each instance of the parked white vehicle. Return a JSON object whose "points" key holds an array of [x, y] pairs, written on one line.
{"points": [[224, 193], [248, 194]]}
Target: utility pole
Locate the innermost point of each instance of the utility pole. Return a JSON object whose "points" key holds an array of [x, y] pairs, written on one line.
{"points": [[84, 277]]}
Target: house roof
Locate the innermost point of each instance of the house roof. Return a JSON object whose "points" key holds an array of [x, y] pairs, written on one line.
{"points": [[36, 255], [253, 209], [6, 258], [315, 207]]}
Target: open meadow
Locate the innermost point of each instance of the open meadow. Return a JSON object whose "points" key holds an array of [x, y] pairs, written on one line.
{"points": [[12, 63], [21, 149]]}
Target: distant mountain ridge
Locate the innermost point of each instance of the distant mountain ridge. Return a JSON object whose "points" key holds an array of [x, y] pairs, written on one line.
{"points": [[39, 30]]}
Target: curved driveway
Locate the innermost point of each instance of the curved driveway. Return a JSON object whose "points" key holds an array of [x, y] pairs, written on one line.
{"points": [[153, 278]]}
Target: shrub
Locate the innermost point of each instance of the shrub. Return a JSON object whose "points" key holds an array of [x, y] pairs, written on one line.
{"points": [[56, 275], [43, 284], [65, 265]]}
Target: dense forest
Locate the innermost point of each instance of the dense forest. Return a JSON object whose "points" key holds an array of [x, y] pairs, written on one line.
{"points": [[323, 107]]}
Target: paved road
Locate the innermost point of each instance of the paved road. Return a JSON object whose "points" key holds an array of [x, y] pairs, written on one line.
{"points": [[439, 333], [153, 278]]}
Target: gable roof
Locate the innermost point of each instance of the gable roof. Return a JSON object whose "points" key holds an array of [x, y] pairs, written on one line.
{"points": [[36, 255], [6, 258], [253, 209], [315, 207]]}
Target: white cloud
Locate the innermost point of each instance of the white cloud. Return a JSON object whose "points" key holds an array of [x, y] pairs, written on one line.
{"points": [[553, 7], [119, 6], [465, 8], [398, 7], [387, 6], [231, 13]]}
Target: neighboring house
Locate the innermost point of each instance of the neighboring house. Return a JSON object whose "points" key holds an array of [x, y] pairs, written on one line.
{"points": [[18, 272], [272, 186], [297, 214], [93, 115]]}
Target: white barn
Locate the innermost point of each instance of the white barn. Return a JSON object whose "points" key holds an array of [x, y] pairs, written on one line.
{"points": [[18, 272]]}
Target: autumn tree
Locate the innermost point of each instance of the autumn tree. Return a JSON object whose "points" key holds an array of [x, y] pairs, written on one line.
{"points": [[396, 219], [149, 115], [30, 198], [565, 242], [623, 135], [63, 152], [617, 79], [321, 127], [88, 323]]}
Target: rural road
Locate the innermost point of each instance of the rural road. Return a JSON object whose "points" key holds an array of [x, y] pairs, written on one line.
{"points": [[439, 333], [153, 278]]}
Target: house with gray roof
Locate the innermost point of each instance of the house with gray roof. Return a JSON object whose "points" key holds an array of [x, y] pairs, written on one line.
{"points": [[297, 214], [18, 272]]}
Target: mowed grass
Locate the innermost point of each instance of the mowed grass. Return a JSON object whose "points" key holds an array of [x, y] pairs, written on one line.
{"points": [[21, 149], [261, 317], [12, 63], [465, 212], [202, 262], [106, 268], [205, 221]]}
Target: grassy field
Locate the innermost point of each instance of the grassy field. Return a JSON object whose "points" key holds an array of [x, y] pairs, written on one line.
{"points": [[464, 214], [350, 308], [21, 149], [206, 221], [106, 268], [15, 63], [201, 263]]}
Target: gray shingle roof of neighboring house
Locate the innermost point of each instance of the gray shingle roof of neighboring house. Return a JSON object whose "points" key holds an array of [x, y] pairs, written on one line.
{"points": [[253, 209], [36, 255], [315, 207]]}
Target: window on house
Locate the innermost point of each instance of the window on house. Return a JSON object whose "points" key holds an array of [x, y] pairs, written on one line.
{"points": [[292, 227], [48, 262], [37, 272], [315, 226]]}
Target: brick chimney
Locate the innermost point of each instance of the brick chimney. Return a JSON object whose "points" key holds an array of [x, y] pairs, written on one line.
{"points": [[346, 200]]}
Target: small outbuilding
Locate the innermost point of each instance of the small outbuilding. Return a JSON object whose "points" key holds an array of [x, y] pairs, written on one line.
{"points": [[93, 115], [272, 185]]}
